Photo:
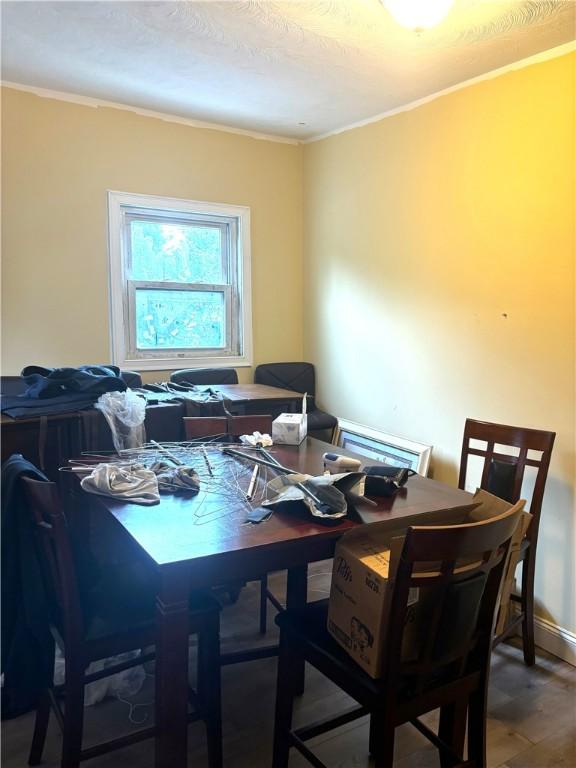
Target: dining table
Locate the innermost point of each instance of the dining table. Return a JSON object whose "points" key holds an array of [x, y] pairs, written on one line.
{"points": [[206, 540]]}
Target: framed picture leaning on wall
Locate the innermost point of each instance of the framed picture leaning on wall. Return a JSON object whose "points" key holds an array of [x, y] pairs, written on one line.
{"points": [[379, 446]]}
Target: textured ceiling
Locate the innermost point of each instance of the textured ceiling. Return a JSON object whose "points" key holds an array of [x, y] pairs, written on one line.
{"points": [[292, 68]]}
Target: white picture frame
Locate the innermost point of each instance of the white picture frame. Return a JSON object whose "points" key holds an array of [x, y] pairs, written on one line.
{"points": [[389, 449]]}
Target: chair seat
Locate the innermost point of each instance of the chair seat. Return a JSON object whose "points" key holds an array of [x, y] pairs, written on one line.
{"points": [[124, 601], [309, 629], [318, 419]]}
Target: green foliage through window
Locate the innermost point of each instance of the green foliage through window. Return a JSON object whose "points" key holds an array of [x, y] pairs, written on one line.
{"points": [[176, 252], [185, 319]]}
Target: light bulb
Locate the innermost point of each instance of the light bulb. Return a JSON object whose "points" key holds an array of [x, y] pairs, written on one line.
{"points": [[418, 14]]}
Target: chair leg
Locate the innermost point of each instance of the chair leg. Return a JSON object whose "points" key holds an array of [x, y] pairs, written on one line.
{"points": [[527, 604], [73, 715], [40, 729], [285, 691], [477, 729], [381, 741], [209, 686], [452, 730], [263, 604]]}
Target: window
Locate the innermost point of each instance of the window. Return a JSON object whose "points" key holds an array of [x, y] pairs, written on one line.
{"points": [[179, 282]]}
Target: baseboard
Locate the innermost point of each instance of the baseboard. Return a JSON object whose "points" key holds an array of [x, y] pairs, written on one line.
{"points": [[556, 640]]}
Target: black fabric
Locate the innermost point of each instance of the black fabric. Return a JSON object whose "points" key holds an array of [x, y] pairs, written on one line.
{"points": [[27, 644], [205, 376], [383, 480], [318, 419], [299, 377], [132, 379], [501, 477]]}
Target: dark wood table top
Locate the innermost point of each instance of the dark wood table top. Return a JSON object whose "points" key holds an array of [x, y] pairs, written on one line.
{"points": [[212, 525], [244, 393]]}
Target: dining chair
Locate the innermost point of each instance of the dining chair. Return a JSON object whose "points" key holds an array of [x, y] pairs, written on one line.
{"points": [[503, 475], [299, 377], [205, 376], [115, 616], [457, 571]]}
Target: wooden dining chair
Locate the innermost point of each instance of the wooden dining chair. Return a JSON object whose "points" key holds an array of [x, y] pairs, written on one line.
{"points": [[225, 427], [114, 617], [503, 474], [457, 571]]}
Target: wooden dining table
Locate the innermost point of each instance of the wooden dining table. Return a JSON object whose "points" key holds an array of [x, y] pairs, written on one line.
{"points": [[205, 540]]}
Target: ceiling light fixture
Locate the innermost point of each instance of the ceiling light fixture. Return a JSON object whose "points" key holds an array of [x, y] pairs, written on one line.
{"points": [[418, 14]]}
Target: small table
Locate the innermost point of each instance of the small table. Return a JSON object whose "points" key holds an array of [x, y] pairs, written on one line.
{"points": [[249, 398], [193, 546]]}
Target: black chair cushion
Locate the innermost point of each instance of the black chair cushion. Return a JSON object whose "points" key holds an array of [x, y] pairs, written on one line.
{"points": [[132, 379], [205, 376], [318, 419], [299, 377]]}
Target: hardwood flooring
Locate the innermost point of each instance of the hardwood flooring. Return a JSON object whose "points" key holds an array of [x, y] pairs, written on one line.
{"points": [[532, 711]]}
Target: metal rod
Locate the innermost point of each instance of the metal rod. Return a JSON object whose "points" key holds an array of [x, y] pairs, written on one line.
{"points": [[207, 460], [168, 454], [278, 468]]}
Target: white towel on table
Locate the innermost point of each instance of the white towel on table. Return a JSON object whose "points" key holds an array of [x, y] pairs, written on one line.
{"points": [[131, 483]]}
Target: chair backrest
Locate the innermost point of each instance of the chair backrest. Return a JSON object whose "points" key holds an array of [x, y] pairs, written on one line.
{"points": [[502, 473], [441, 602], [299, 377], [205, 376], [132, 379], [56, 556], [197, 427]]}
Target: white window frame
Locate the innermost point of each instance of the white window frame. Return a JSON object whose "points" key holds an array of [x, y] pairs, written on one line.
{"points": [[124, 207]]}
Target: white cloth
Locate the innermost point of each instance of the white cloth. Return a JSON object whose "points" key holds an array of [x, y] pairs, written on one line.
{"points": [[256, 438], [130, 482]]}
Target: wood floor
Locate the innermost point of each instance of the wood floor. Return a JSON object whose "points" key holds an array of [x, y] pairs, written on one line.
{"points": [[532, 712]]}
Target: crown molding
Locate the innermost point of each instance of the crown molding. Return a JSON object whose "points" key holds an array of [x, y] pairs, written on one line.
{"points": [[88, 101], [552, 53]]}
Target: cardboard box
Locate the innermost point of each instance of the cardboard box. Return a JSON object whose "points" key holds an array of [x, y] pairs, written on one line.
{"points": [[290, 428], [365, 562]]}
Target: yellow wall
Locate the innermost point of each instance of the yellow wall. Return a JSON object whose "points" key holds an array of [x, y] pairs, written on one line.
{"points": [[58, 161], [438, 261], [439, 254]]}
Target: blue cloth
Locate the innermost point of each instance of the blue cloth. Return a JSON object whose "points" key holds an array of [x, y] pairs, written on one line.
{"points": [[60, 390], [87, 379]]}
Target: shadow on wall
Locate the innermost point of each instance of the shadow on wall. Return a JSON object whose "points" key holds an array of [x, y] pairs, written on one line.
{"points": [[557, 526]]}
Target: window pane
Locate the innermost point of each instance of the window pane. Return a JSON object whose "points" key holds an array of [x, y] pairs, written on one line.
{"points": [[169, 319], [178, 252]]}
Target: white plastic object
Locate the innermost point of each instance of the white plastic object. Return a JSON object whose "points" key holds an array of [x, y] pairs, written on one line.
{"points": [[336, 463], [125, 413]]}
